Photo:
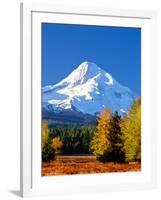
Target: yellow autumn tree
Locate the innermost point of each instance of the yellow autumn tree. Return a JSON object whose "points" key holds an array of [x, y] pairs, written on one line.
{"points": [[57, 144], [48, 152], [131, 129], [100, 143], [44, 132]]}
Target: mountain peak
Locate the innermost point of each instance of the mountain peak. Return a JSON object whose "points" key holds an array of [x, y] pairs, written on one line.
{"points": [[83, 72], [86, 66]]}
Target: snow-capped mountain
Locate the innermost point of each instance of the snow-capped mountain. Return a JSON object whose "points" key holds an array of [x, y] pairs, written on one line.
{"points": [[88, 89]]}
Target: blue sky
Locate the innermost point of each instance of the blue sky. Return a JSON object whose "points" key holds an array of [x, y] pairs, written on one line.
{"points": [[116, 50]]}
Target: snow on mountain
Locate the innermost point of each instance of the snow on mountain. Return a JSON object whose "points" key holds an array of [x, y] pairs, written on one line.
{"points": [[88, 89]]}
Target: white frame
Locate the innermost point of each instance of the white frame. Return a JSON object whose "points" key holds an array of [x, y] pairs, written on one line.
{"points": [[32, 184]]}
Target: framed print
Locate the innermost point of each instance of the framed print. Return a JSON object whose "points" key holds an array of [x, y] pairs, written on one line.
{"points": [[87, 100]]}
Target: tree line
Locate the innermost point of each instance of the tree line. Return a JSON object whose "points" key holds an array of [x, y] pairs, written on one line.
{"points": [[66, 140], [113, 139]]}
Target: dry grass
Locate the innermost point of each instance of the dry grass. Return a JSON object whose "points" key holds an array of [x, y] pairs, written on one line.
{"points": [[84, 165]]}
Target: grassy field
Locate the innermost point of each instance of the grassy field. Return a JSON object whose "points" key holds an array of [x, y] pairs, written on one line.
{"points": [[65, 165]]}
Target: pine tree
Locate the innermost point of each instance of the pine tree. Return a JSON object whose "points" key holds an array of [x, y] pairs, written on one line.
{"points": [[131, 129], [116, 153], [100, 143]]}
